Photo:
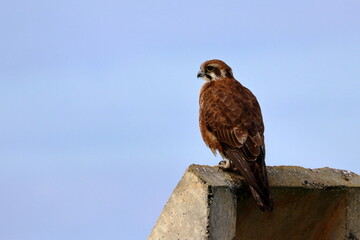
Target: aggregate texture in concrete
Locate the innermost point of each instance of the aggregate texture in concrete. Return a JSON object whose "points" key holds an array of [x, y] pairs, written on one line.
{"points": [[309, 204]]}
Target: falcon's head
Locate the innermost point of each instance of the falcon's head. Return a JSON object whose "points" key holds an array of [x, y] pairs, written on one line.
{"points": [[213, 70]]}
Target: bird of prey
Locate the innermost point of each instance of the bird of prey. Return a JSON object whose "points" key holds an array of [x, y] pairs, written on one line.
{"points": [[231, 123]]}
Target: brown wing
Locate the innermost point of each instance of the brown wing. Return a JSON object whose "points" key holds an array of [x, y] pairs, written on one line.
{"points": [[231, 113]]}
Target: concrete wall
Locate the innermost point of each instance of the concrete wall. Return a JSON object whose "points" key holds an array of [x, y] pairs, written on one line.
{"points": [[308, 204]]}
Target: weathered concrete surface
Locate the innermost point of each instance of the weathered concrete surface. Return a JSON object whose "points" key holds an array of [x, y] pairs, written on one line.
{"points": [[308, 204], [201, 207]]}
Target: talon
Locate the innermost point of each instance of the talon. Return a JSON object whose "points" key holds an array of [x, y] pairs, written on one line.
{"points": [[224, 164]]}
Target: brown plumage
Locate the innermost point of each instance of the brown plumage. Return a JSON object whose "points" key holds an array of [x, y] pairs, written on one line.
{"points": [[231, 123]]}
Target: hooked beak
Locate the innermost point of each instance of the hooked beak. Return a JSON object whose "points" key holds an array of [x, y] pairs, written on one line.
{"points": [[200, 74]]}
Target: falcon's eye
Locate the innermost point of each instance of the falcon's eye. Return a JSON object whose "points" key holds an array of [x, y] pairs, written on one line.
{"points": [[209, 68]]}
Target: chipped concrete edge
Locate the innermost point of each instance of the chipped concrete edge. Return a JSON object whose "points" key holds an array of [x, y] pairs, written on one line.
{"points": [[203, 204]]}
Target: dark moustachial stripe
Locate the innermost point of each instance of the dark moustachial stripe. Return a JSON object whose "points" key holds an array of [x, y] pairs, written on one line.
{"points": [[217, 72], [229, 74]]}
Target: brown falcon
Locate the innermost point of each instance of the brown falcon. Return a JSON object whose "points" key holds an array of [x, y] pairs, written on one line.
{"points": [[231, 123]]}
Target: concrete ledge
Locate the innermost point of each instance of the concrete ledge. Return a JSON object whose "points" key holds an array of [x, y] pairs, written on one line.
{"points": [[308, 204]]}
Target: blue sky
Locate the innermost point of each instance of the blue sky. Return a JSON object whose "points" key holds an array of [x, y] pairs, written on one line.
{"points": [[99, 102]]}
